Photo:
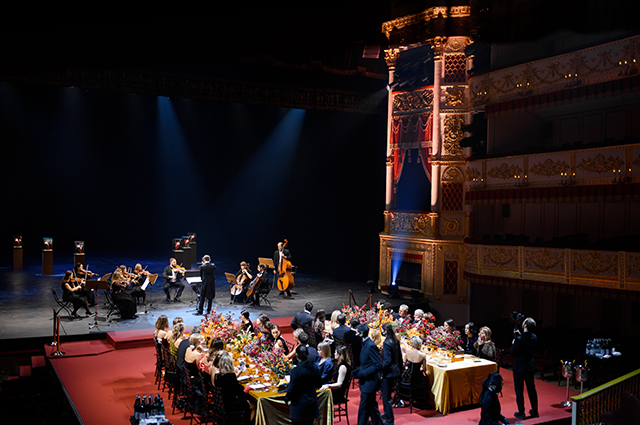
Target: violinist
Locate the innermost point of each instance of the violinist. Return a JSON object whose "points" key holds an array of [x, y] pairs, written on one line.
{"points": [[259, 285], [173, 275], [71, 292], [243, 277], [139, 276], [121, 297], [280, 254], [80, 277]]}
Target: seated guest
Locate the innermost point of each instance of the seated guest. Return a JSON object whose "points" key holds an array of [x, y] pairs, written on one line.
{"points": [[192, 356], [162, 328], [233, 394], [417, 361], [246, 322], [448, 326], [296, 341], [318, 324], [334, 319], [342, 328], [280, 344], [418, 315], [183, 345], [267, 335], [471, 331], [376, 337], [177, 320], [303, 318], [490, 411], [485, 348], [70, 293], [206, 365], [121, 297], [176, 338], [403, 314], [324, 363], [341, 375]]}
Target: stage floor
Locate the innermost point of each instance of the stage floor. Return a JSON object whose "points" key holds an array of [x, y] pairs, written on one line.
{"points": [[26, 301]]}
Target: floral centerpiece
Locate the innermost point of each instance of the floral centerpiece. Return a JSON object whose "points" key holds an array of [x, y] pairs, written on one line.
{"points": [[221, 326], [445, 340]]}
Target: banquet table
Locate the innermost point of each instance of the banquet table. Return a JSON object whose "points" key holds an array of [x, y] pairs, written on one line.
{"points": [[459, 383], [272, 409]]}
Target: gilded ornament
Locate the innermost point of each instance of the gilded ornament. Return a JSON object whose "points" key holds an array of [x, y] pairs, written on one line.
{"points": [[543, 259], [500, 256], [633, 266], [391, 57], [595, 263], [549, 168], [452, 175], [453, 134], [410, 101], [600, 164], [414, 224], [505, 171], [471, 254], [454, 97], [636, 161], [473, 175], [450, 226]]}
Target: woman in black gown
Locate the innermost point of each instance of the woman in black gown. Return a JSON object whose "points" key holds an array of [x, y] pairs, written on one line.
{"points": [[123, 300], [70, 292]]}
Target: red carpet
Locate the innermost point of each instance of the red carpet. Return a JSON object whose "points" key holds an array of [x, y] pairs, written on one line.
{"points": [[103, 381]]}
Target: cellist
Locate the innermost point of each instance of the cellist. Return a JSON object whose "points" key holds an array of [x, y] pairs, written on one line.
{"points": [[280, 254], [243, 278]]}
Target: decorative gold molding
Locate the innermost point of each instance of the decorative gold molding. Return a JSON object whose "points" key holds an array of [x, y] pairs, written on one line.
{"points": [[425, 16], [595, 262], [505, 171], [391, 57], [452, 175], [600, 164], [543, 259], [454, 96], [450, 226], [500, 256], [549, 168], [453, 134], [410, 223], [413, 100], [473, 174]]}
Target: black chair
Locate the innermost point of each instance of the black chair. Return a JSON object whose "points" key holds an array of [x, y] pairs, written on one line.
{"points": [[311, 334], [341, 405], [112, 307], [171, 377], [159, 372], [219, 411], [64, 305], [407, 389], [263, 296]]}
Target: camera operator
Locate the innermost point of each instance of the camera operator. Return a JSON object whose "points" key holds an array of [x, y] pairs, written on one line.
{"points": [[523, 346]]}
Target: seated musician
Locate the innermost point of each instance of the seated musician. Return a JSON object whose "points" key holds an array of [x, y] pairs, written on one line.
{"points": [[172, 275], [243, 277], [123, 300], [81, 278], [70, 292], [137, 280], [260, 285]]}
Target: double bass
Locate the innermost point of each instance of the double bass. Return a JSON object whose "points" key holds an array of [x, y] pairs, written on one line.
{"points": [[285, 278]]}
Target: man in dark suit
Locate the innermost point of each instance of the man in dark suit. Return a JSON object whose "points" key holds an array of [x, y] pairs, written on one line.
{"points": [[303, 317], [280, 254], [301, 391], [208, 289], [342, 328], [522, 349], [368, 374], [172, 279], [355, 341]]}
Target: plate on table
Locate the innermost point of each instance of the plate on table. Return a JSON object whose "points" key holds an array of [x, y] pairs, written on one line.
{"points": [[243, 378]]}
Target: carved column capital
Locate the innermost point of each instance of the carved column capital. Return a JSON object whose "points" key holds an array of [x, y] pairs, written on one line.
{"points": [[391, 57]]}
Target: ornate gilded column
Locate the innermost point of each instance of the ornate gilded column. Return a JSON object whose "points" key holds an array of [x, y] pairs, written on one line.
{"points": [[436, 192], [391, 56]]}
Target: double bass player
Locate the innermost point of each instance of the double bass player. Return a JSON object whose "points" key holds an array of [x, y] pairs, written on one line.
{"points": [[279, 255]]}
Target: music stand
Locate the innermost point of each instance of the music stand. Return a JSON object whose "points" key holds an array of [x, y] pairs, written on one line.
{"points": [[231, 278], [192, 280], [95, 285], [150, 280]]}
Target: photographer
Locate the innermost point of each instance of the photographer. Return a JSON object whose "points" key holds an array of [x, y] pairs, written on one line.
{"points": [[524, 344]]}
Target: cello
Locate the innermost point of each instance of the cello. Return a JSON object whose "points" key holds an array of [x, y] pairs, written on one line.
{"points": [[285, 278]]}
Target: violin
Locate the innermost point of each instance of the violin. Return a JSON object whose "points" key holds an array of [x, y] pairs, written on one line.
{"points": [[179, 269], [285, 278]]}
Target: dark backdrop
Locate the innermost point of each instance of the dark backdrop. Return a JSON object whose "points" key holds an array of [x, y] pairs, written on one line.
{"points": [[126, 173]]}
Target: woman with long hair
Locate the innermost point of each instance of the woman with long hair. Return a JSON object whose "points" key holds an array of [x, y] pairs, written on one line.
{"points": [[70, 293], [324, 363], [391, 370], [233, 394], [162, 328], [341, 375]]}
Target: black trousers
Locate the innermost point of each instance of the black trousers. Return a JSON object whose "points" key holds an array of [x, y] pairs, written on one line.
{"points": [[176, 284], [519, 381]]}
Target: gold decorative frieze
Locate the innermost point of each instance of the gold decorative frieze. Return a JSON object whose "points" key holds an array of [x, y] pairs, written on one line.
{"points": [[633, 266], [453, 134], [450, 226], [471, 255], [425, 16], [505, 171], [544, 259], [600, 164], [413, 100], [549, 168], [452, 175], [501, 257], [409, 223], [454, 96], [595, 263], [473, 174]]}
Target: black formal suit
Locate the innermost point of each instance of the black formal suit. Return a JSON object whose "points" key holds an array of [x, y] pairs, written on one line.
{"points": [[276, 264], [167, 274], [340, 331], [523, 368], [301, 392], [391, 370], [352, 338], [301, 318], [208, 291], [368, 375]]}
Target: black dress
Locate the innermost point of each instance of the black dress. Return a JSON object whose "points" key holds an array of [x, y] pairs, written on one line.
{"points": [[339, 393], [233, 394], [124, 301], [73, 297]]}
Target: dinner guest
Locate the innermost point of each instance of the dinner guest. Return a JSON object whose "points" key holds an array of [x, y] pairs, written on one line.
{"points": [[342, 327], [376, 337], [368, 375], [296, 343], [391, 370], [485, 348], [176, 338], [301, 391], [334, 319], [233, 394], [247, 325], [324, 363], [279, 344], [216, 345], [341, 375], [448, 326], [313, 355], [192, 356], [417, 361], [490, 411], [303, 318], [471, 332], [318, 324], [162, 328]]}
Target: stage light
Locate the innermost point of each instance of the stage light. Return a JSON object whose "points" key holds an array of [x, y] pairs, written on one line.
{"points": [[17, 252], [393, 290], [47, 256]]}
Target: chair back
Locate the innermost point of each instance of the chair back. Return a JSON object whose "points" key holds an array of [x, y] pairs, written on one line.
{"points": [[55, 294]]}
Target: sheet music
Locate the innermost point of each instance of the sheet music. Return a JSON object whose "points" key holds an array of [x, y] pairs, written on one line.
{"points": [[195, 279], [145, 284]]}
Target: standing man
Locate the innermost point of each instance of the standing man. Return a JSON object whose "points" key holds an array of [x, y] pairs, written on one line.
{"points": [[522, 350], [173, 279], [280, 254], [368, 375], [208, 290]]}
